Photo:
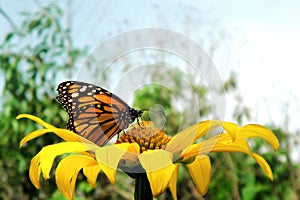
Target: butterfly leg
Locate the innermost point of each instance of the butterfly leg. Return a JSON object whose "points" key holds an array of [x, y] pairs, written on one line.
{"points": [[140, 124], [119, 134]]}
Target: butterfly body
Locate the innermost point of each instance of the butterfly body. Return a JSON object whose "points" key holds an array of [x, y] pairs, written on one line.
{"points": [[94, 112]]}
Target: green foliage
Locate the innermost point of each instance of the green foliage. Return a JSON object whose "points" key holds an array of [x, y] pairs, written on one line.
{"points": [[32, 59], [160, 99], [159, 96], [249, 178]]}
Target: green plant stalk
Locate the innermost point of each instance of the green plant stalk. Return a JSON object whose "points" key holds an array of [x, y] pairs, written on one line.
{"points": [[142, 190]]}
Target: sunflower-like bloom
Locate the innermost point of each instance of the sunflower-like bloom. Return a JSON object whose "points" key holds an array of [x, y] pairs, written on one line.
{"points": [[143, 150]]}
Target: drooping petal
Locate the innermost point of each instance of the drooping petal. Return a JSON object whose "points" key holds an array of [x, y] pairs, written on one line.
{"points": [[33, 135], [159, 168], [250, 131], [48, 154], [255, 130], [205, 126], [186, 137], [62, 133], [219, 143], [231, 128], [36, 119], [241, 146], [67, 171], [91, 173], [225, 144], [263, 164], [65, 134], [35, 171], [183, 139], [173, 183], [200, 171], [108, 158]]}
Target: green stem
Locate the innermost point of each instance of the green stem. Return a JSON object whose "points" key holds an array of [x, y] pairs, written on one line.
{"points": [[142, 190]]}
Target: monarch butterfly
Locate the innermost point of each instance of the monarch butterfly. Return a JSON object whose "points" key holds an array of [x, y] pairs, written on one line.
{"points": [[94, 113]]}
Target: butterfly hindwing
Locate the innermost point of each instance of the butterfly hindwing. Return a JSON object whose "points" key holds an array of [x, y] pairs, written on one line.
{"points": [[94, 112]]}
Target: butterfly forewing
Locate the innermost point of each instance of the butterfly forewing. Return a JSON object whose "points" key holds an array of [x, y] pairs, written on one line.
{"points": [[94, 112]]}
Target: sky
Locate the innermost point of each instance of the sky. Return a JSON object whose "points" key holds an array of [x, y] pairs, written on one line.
{"points": [[257, 40]]}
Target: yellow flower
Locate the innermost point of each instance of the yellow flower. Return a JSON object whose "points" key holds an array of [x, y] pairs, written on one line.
{"points": [[144, 150]]}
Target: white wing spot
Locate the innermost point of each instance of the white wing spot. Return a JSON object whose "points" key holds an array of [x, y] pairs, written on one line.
{"points": [[76, 94], [83, 89]]}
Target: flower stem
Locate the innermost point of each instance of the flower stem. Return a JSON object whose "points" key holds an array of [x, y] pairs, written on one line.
{"points": [[142, 190]]}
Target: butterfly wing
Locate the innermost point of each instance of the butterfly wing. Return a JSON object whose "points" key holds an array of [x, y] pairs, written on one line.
{"points": [[94, 113]]}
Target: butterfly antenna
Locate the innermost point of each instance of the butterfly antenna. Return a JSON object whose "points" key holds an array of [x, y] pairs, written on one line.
{"points": [[155, 111]]}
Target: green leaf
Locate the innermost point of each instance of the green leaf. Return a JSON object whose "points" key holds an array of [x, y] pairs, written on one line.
{"points": [[9, 36], [48, 23], [33, 25], [85, 187]]}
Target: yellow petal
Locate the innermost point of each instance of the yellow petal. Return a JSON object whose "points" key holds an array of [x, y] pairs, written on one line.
{"points": [[48, 154], [68, 136], [263, 164], [67, 171], [130, 158], [225, 144], [231, 128], [205, 126], [203, 147], [36, 119], [35, 171], [63, 133], [108, 158], [182, 140], [132, 148], [255, 130], [186, 137], [173, 183], [33, 135], [219, 143], [159, 168], [200, 171], [91, 173], [241, 146]]}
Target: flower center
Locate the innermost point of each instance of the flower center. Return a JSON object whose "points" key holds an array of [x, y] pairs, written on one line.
{"points": [[146, 136]]}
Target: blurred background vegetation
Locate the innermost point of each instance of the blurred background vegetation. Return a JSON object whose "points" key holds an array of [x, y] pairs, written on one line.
{"points": [[36, 55]]}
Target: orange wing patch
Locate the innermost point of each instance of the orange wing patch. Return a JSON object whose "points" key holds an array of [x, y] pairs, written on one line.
{"points": [[94, 112]]}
